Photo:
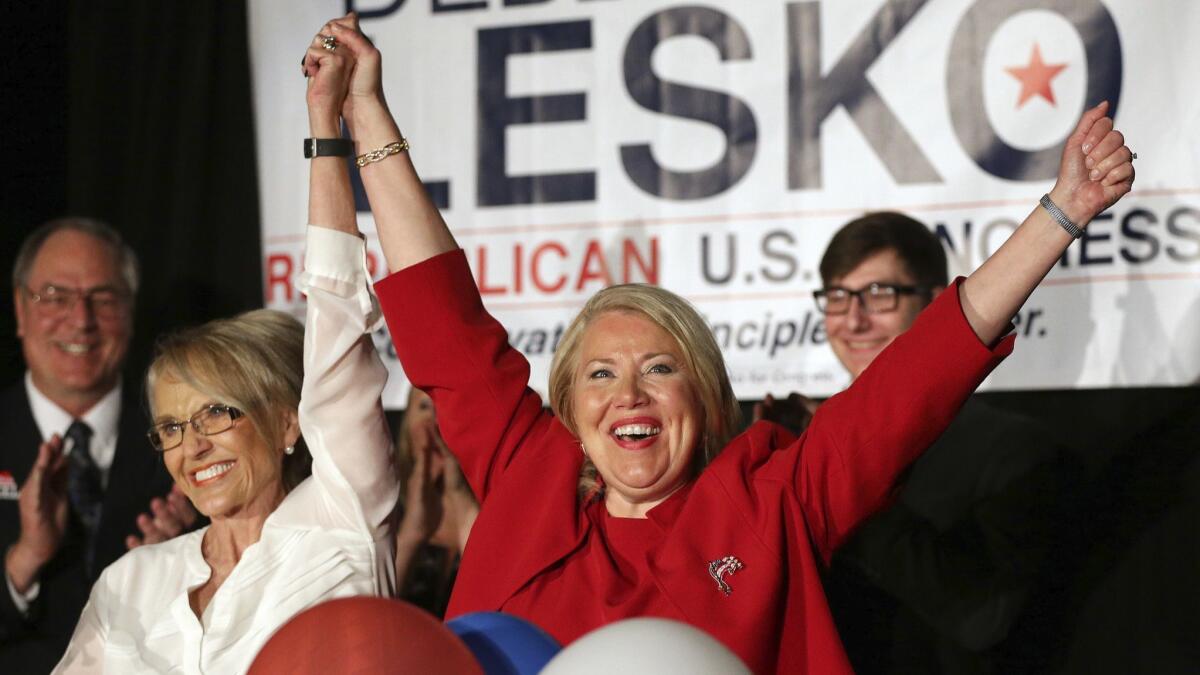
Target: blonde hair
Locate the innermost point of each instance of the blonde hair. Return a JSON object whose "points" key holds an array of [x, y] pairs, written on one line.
{"points": [[702, 356], [253, 362]]}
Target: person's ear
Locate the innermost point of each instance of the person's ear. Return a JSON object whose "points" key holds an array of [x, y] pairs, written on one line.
{"points": [[934, 292], [20, 308], [291, 429]]}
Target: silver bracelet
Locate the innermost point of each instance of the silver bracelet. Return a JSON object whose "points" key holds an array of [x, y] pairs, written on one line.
{"points": [[1057, 214]]}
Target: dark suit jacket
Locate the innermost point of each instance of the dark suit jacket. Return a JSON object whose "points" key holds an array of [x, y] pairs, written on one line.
{"points": [[34, 644], [935, 583]]}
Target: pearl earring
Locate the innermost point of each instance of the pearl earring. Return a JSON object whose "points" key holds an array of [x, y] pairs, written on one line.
{"points": [[289, 449]]}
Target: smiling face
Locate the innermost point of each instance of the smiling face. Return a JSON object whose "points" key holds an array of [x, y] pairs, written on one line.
{"points": [[228, 474], [857, 337], [74, 355], [636, 410]]}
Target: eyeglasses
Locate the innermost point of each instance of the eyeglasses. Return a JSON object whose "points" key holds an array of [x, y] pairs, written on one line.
{"points": [[875, 298], [105, 301], [211, 419]]}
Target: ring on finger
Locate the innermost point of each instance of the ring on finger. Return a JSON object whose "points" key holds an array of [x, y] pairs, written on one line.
{"points": [[329, 42], [1132, 155]]}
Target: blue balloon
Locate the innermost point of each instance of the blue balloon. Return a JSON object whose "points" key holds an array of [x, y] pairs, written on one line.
{"points": [[504, 644]]}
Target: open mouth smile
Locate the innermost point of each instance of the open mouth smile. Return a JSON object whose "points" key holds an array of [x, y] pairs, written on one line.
{"points": [[634, 434], [75, 348], [211, 473]]}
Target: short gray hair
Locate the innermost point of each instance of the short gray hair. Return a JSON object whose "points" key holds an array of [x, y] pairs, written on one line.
{"points": [[253, 361], [127, 262]]}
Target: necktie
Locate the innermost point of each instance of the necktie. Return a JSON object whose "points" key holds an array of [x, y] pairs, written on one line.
{"points": [[83, 484]]}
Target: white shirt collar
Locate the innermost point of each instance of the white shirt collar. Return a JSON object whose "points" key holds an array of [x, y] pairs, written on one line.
{"points": [[103, 418]]}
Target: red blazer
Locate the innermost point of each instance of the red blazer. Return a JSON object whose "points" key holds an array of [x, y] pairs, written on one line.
{"points": [[778, 503]]}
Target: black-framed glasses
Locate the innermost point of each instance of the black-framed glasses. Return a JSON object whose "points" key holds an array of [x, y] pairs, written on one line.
{"points": [[211, 419], [874, 298], [106, 301]]}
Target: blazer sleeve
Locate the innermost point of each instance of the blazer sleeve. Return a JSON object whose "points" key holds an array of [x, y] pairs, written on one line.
{"points": [[861, 439], [341, 414], [459, 354]]}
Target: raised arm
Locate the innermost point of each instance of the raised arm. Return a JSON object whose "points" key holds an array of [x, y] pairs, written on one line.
{"points": [[447, 342], [860, 440], [410, 227], [330, 199], [341, 415], [1095, 171]]}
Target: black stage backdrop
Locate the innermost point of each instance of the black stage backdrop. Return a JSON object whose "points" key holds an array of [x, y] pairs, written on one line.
{"points": [[139, 113]]}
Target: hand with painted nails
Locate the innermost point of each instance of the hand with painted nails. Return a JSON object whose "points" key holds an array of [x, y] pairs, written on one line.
{"points": [[329, 68], [366, 81]]}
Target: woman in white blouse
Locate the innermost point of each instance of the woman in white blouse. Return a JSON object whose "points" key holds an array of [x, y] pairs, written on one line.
{"points": [[230, 412]]}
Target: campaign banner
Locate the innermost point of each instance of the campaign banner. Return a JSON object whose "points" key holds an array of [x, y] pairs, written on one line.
{"points": [[714, 148]]}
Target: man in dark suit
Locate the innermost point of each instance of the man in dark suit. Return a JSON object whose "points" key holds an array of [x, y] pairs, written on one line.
{"points": [[74, 446]]}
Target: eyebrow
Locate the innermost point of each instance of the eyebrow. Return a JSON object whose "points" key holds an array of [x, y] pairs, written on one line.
{"points": [[171, 418], [88, 289], [605, 361], [880, 282]]}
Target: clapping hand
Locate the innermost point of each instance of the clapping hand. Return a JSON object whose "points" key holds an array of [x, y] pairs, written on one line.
{"points": [[44, 508], [168, 518]]}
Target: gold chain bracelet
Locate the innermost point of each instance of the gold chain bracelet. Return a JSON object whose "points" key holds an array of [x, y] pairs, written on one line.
{"points": [[382, 153]]}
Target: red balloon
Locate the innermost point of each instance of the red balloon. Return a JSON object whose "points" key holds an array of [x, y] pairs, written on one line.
{"points": [[364, 635]]}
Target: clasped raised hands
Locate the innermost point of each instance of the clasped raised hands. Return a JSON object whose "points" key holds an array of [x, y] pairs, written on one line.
{"points": [[343, 69]]}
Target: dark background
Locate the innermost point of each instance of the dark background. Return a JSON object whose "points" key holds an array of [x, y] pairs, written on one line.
{"points": [[139, 113]]}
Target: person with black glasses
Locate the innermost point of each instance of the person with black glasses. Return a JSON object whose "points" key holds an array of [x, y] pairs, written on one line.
{"points": [[879, 271], [935, 582], [244, 410], [74, 471]]}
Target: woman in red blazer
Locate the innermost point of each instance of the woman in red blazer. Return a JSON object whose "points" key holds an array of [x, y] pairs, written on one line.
{"points": [[631, 500]]}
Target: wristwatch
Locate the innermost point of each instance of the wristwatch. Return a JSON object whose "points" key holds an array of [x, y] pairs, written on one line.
{"points": [[327, 147]]}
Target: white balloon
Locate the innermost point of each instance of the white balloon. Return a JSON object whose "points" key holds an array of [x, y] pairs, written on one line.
{"points": [[646, 646]]}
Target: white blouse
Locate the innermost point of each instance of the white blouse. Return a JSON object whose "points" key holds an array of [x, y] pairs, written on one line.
{"points": [[329, 538]]}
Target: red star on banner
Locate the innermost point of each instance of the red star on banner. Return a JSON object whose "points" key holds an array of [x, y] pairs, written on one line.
{"points": [[1035, 77]]}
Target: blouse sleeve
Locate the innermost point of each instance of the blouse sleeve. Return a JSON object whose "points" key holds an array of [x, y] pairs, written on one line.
{"points": [[862, 439], [341, 414], [453, 349]]}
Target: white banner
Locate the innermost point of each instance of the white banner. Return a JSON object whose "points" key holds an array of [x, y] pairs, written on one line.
{"points": [[714, 148]]}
